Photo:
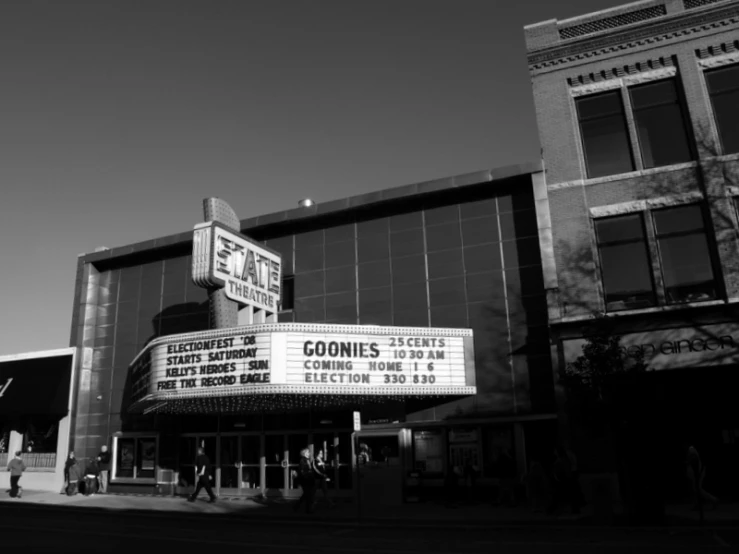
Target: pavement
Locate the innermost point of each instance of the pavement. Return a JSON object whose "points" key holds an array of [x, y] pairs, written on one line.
{"points": [[411, 514], [41, 522]]}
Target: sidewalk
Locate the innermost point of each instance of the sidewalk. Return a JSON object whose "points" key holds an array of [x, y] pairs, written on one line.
{"points": [[424, 514], [416, 515]]}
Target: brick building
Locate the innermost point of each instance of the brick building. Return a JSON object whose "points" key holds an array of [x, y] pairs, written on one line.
{"points": [[638, 114]]}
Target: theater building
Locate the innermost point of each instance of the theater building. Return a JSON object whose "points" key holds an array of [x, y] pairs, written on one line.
{"points": [[448, 272], [638, 114]]}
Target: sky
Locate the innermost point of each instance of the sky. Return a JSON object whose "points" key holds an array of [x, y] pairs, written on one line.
{"points": [[119, 117]]}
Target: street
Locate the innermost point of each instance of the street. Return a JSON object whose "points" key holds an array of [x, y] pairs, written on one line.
{"points": [[56, 529]]}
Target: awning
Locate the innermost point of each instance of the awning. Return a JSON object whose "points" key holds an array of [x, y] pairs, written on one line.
{"points": [[35, 386]]}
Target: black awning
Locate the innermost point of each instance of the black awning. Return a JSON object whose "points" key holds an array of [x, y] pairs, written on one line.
{"points": [[35, 386]]}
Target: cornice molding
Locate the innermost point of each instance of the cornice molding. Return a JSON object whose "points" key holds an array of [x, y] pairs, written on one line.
{"points": [[684, 23]]}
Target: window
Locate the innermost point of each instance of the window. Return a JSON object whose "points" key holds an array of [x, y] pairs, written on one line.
{"points": [[684, 254], [660, 123], [625, 263], [605, 135], [723, 87], [135, 457], [287, 294], [685, 259]]}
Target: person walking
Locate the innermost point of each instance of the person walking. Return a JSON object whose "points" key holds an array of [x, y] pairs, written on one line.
{"points": [[104, 465], [16, 467], [696, 472], [203, 470], [307, 481], [322, 479]]}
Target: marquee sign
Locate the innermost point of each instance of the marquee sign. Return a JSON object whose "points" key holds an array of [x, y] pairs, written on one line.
{"points": [[249, 273], [298, 358]]}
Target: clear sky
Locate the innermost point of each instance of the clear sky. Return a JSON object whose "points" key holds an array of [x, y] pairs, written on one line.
{"points": [[119, 117]]}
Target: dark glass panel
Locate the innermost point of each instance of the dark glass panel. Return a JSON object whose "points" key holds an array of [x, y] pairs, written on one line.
{"points": [[408, 270], [413, 318], [439, 216], [484, 286], [342, 307], [407, 243], [340, 254], [309, 310], [309, 258], [621, 228], [445, 264], [481, 230], [373, 227], [342, 233], [284, 245], [525, 281], [479, 208], [522, 252], [660, 124], [519, 224], [604, 134], [723, 86], [449, 316], [444, 292], [403, 222], [443, 237], [341, 279], [309, 284], [374, 274], [306, 240], [482, 258], [678, 220], [627, 275], [373, 247], [374, 300], [410, 297]]}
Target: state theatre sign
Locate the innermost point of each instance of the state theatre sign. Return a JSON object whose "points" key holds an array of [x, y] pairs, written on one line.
{"points": [[281, 365]]}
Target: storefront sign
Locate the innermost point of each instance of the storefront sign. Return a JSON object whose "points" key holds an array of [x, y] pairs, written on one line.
{"points": [[675, 348], [336, 359], [249, 273]]}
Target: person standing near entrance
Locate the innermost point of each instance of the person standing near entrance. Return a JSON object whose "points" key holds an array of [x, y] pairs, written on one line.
{"points": [[104, 467], [307, 480], [319, 467], [203, 470], [16, 467]]}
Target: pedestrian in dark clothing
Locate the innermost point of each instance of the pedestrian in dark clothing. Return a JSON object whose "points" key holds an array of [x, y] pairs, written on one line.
{"points": [[104, 465], [92, 471], [72, 475], [16, 467], [322, 478], [561, 482], [307, 481], [203, 470]]}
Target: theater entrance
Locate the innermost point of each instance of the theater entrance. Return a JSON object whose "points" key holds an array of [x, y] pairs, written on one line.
{"points": [[264, 463], [380, 467]]}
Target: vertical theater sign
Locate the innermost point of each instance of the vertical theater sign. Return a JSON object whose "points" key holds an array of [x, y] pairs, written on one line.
{"points": [[247, 361]]}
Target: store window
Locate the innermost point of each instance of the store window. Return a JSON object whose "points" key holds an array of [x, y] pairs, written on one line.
{"points": [[723, 88], [605, 135], [625, 263], [428, 451], [135, 457], [684, 253], [660, 123]]}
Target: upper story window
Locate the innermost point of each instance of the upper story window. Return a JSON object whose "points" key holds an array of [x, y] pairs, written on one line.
{"points": [[723, 88], [686, 264], [605, 135], [625, 263], [659, 122], [684, 259]]}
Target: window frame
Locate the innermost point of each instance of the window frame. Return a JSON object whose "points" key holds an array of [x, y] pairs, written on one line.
{"points": [[114, 478], [650, 261], [714, 118], [656, 266], [623, 89]]}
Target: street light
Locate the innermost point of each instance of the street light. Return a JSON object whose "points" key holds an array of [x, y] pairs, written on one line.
{"points": [[306, 203]]}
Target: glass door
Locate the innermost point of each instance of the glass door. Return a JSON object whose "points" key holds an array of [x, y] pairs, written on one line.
{"points": [[251, 469], [295, 443], [275, 453], [228, 465]]}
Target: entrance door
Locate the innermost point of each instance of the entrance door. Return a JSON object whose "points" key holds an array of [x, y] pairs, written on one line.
{"points": [[251, 469], [381, 470], [275, 453], [228, 465], [295, 443]]}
